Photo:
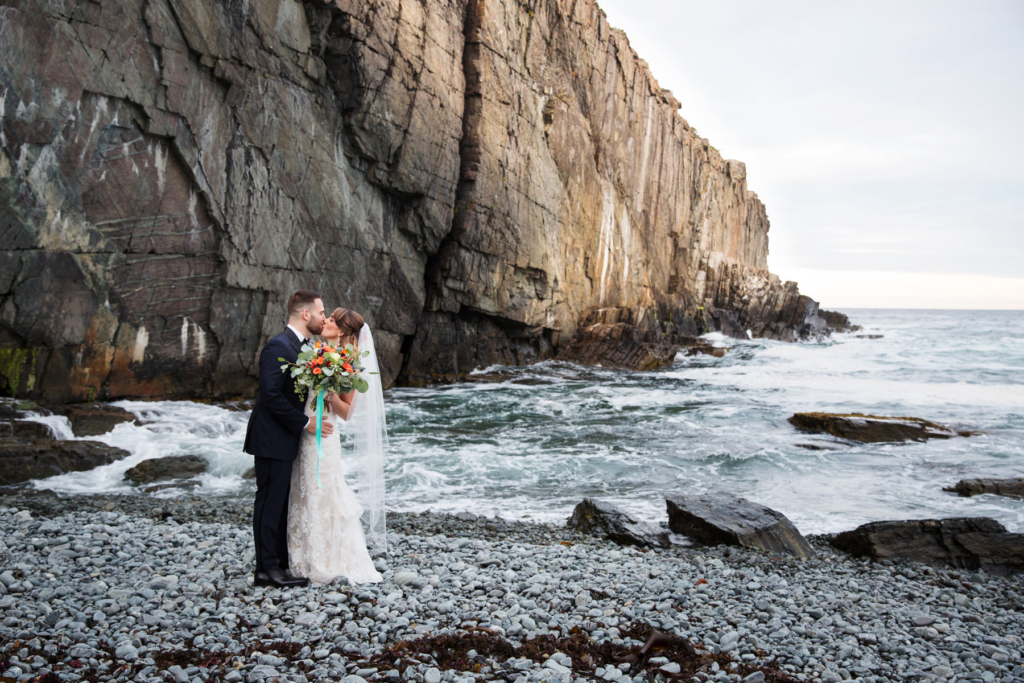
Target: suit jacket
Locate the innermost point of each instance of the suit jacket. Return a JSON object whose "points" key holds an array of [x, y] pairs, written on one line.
{"points": [[278, 418]]}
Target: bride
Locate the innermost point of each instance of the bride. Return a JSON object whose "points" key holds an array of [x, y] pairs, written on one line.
{"points": [[325, 534]]}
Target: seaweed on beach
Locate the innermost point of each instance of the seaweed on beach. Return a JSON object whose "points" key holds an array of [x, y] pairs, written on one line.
{"points": [[450, 651], [446, 651]]}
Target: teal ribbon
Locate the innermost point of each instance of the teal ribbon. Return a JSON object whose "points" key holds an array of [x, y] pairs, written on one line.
{"points": [[319, 425]]}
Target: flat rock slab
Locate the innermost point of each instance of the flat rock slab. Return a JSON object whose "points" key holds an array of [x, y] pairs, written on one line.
{"points": [[872, 428], [94, 419], [162, 469], [724, 519], [961, 542], [25, 459], [1011, 488], [602, 519]]}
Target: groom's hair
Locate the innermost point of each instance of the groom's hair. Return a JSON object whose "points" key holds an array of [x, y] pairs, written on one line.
{"points": [[301, 299]]}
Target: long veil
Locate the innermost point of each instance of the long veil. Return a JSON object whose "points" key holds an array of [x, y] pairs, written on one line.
{"points": [[370, 444]]}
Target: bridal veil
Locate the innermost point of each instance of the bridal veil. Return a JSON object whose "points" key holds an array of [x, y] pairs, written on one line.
{"points": [[370, 444]]}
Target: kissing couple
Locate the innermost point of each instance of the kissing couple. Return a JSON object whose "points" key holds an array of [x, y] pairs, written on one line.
{"points": [[307, 522]]}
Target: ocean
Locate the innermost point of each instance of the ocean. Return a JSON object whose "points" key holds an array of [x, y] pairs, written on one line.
{"points": [[531, 442]]}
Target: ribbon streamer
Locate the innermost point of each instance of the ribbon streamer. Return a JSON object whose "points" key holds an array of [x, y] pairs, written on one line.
{"points": [[319, 425]]}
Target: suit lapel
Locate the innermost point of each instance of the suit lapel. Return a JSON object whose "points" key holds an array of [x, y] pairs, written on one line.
{"points": [[295, 341]]}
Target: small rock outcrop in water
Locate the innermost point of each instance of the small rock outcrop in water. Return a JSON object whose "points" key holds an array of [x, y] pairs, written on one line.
{"points": [[1011, 488], [723, 519], [25, 459], [94, 419], [872, 428], [161, 469], [600, 518], [962, 542], [612, 338], [484, 174], [837, 321]]}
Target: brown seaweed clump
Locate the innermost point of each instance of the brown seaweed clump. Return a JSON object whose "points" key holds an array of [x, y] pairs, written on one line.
{"points": [[452, 651]]}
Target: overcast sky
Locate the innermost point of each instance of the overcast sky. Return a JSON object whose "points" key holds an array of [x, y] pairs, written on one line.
{"points": [[885, 138]]}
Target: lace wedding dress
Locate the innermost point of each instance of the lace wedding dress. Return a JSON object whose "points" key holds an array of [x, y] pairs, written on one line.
{"points": [[325, 535]]}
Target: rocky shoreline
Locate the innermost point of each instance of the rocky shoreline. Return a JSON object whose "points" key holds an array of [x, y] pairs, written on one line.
{"points": [[148, 590]]}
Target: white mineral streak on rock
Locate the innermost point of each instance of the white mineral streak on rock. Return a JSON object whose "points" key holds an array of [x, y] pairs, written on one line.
{"points": [[604, 248], [160, 164], [193, 199], [141, 342], [184, 337], [200, 342]]}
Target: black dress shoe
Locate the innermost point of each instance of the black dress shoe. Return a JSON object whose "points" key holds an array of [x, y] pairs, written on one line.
{"points": [[277, 577]]}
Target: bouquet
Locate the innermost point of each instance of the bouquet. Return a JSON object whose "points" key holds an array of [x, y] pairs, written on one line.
{"points": [[322, 369]]}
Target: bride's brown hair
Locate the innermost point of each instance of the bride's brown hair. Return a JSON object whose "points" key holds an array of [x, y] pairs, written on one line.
{"points": [[350, 323]]}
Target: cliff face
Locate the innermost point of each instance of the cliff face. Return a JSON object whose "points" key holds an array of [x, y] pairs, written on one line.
{"points": [[475, 176]]}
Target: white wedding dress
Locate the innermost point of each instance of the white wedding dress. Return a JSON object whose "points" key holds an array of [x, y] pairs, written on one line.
{"points": [[325, 531]]}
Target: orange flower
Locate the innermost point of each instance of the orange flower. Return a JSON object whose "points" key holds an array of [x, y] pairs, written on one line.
{"points": [[330, 349], [348, 368], [316, 371]]}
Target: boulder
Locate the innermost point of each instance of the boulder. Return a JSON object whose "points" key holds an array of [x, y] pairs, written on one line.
{"points": [[173, 485], [961, 542], [161, 469], [25, 459], [25, 429], [602, 519], [872, 428], [1011, 488], [724, 519], [94, 419], [837, 321]]}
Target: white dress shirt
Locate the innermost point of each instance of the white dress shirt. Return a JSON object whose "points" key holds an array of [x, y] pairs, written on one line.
{"points": [[301, 339]]}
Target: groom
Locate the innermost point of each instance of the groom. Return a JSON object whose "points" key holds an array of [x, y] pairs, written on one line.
{"points": [[275, 425]]}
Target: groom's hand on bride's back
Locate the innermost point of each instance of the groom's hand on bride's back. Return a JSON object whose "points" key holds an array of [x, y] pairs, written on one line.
{"points": [[325, 427]]}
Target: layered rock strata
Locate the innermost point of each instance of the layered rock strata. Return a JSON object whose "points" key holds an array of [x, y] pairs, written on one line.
{"points": [[24, 459], [725, 519], [475, 177], [965, 488], [873, 428], [961, 542]]}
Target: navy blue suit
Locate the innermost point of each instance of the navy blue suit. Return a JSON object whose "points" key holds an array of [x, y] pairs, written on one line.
{"points": [[275, 425]]}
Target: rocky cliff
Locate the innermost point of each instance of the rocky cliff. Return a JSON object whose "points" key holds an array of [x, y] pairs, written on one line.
{"points": [[476, 176]]}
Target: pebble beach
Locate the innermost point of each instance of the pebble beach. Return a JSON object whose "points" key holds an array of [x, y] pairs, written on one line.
{"points": [[101, 588]]}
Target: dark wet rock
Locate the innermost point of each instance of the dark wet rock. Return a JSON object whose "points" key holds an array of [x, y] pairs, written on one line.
{"points": [[9, 412], [25, 459], [872, 428], [1011, 488], [724, 519], [837, 321], [94, 419], [960, 542], [25, 429], [596, 517], [249, 473], [614, 337], [175, 485], [161, 469]]}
